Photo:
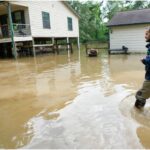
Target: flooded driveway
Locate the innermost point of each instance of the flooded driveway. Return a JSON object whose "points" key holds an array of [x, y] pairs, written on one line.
{"points": [[72, 102]]}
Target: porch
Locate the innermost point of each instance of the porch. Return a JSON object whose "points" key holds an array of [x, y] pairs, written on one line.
{"points": [[14, 25], [20, 21]]}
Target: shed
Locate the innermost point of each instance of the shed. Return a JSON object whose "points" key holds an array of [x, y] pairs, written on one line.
{"points": [[128, 28]]}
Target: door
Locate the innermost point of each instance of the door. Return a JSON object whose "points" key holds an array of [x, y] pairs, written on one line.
{"points": [[4, 25]]}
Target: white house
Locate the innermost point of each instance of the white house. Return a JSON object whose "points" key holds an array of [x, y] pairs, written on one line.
{"points": [[128, 28], [35, 23]]}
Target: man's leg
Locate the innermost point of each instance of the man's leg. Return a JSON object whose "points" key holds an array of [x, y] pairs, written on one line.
{"points": [[140, 101], [142, 95]]}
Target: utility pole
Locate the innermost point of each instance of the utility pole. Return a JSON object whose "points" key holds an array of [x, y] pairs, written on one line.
{"points": [[11, 31]]}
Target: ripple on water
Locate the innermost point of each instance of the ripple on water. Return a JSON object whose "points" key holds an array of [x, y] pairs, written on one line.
{"points": [[140, 116]]}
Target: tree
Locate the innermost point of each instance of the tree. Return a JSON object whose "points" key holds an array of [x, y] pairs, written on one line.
{"points": [[111, 8], [90, 19], [139, 5]]}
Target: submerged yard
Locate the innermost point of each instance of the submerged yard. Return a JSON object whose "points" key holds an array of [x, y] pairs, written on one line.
{"points": [[72, 101]]}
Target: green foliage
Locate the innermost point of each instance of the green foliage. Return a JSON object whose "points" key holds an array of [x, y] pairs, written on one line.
{"points": [[94, 16], [90, 20]]}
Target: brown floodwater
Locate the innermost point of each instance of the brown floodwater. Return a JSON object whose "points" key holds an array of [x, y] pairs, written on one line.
{"points": [[72, 101]]}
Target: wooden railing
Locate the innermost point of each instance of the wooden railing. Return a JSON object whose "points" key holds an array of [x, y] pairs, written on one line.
{"points": [[20, 30]]}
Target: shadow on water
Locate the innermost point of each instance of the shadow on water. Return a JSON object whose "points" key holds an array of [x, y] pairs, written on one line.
{"points": [[70, 101]]}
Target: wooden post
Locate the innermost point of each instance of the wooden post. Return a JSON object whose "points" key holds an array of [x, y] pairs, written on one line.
{"points": [[68, 43], [53, 42], [57, 49], [86, 48], [78, 43], [33, 43], [12, 31], [71, 49], [109, 42]]}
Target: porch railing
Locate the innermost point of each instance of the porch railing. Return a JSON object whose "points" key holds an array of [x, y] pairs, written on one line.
{"points": [[4, 31], [20, 30]]}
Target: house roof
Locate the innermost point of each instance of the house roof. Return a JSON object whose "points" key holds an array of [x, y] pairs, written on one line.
{"points": [[65, 3], [141, 16]]}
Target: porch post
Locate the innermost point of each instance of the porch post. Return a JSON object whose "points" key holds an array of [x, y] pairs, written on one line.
{"points": [[53, 40], [78, 46], [68, 43], [67, 40], [12, 31], [33, 43]]}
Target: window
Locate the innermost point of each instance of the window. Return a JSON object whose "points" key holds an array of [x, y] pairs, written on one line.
{"points": [[18, 17], [70, 27], [46, 20]]}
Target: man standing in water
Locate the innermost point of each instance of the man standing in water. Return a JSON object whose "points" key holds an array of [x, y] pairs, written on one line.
{"points": [[144, 92]]}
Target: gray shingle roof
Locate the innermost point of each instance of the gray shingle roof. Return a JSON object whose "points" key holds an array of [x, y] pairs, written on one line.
{"points": [[140, 16]]}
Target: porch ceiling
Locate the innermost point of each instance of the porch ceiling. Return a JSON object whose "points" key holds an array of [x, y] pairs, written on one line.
{"points": [[3, 8]]}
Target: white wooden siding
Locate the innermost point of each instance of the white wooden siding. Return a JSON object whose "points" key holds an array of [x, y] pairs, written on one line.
{"points": [[131, 36], [58, 18]]}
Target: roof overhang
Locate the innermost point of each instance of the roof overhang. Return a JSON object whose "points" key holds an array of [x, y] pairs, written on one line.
{"points": [[71, 9], [3, 2], [128, 24]]}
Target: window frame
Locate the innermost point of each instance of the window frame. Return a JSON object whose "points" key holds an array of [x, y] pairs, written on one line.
{"points": [[46, 23], [70, 24]]}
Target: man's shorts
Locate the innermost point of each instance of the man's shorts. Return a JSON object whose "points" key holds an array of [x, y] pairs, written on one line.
{"points": [[144, 92]]}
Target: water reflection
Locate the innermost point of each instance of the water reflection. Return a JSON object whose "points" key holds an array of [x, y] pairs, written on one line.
{"points": [[144, 136], [68, 101], [29, 88]]}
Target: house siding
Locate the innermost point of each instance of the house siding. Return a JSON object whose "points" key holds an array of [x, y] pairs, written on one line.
{"points": [[131, 36], [58, 19]]}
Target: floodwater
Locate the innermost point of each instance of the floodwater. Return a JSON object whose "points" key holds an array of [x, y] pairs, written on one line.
{"points": [[72, 101]]}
